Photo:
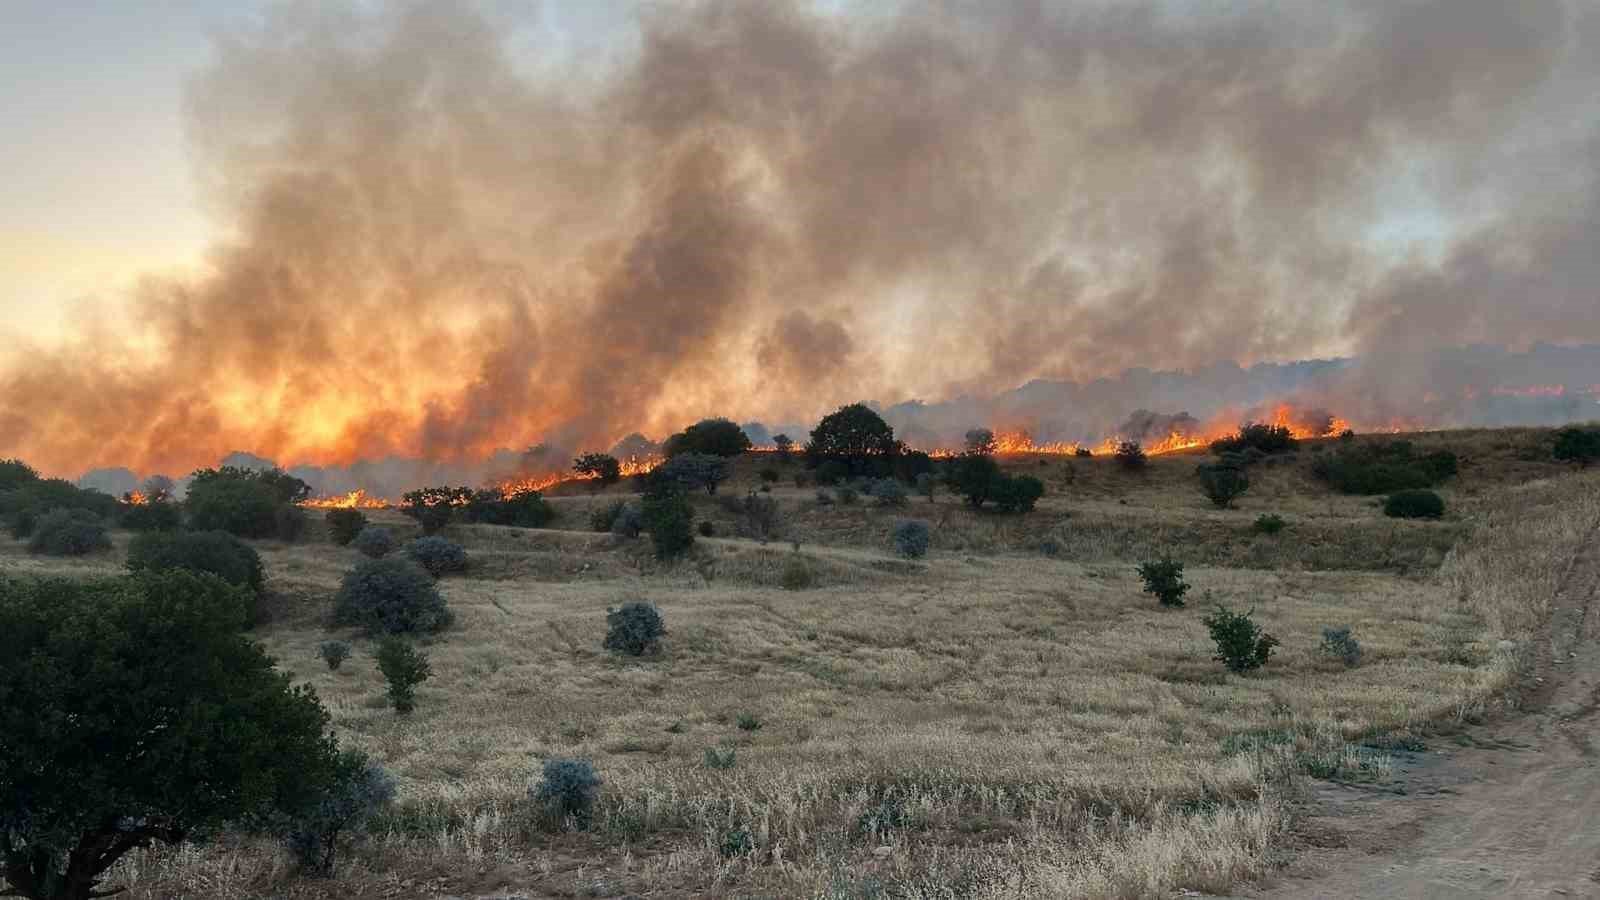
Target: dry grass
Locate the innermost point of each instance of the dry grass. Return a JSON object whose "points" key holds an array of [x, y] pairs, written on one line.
{"points": [[989, 722]]}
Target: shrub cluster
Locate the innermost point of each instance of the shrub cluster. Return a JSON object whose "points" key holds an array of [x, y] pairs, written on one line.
{"points": [[1269, 523], [567, 790], [601, 468], [1257, 436], [1130, 455], [334, 653], [715, 437], [1383, 467], [1341, 645], [760, 517], [248, 503], [344, 525], [389, 596], [68, 532], [438, 555], [358, 790], [1222, 483], [1416, 504], [911, 538], [668, 516], [1241, 644], [1164, 580], [375, 541], [634, 628], [403, 667], [151, 515], [694, 470], [978, 479], [30, 498], [1579, 445], [216, 552]]}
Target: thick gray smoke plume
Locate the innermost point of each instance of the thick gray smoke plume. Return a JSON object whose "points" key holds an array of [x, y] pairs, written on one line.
{"points": [[440, 246]]}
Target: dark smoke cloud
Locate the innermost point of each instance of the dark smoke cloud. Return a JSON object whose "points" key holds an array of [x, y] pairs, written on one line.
{"points": [[767, 210]]}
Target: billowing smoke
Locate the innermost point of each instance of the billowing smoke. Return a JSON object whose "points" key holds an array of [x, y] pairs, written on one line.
{"points": [[440, 246]]}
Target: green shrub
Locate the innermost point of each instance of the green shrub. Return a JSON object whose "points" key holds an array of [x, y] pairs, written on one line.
{"points": [[1017, 493], [216, 552], [68, 532], [666, 512], [390, 596], [974, 477], [334, 653], [438, 555], [760, 517], [357, 792], [707, 528], [151, 515], [1164, 579], [832, 472], [522, 509], [1579, 445], [911, 538], [23, 506], [132, 712], [1414, 505], [14, 473], [715, 437], [375, 541], [434, 507], [1383, 467], [747, 721], [629, 523], [796, 574], [1241, 644], [601, 518], [1339, 644], [567, 790], [720, 757], [344, 525], [736, 842], [1269, 523], [634, 628], [403, 667], [246, 503], [1222, 483], [289, 522], [888, 491], [1259, 436]]}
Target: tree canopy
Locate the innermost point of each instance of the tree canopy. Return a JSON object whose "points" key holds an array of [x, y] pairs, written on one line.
{"points": [[718, 437], [133, 711], [852, 431]]}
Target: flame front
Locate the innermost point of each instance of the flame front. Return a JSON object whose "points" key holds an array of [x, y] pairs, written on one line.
{"points": [[356, 499]]}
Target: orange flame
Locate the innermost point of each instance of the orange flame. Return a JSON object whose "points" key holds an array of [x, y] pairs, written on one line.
{"points": [[135, 498], [356, 499]]}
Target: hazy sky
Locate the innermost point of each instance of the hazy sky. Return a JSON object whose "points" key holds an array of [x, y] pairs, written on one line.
{"points": [[99, 189]]}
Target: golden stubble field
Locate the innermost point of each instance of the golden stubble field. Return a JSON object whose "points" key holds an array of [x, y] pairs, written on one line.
{"points": [[1009, 717]]}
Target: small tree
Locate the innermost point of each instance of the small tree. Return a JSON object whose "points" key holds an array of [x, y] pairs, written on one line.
{"points": [[852, 432], [634, 628], [437, 555], [241, 501], [1223, 483], [403, 667], [1341, 645], [981, 441], [1418, 504], [1164, 579], [1017, 493], [359, 789], [669, 518], [785, 445], [888, 491], [716, 437], [761, 517], [601, 468], [1241, 644], [1579, 445], [375, 541], [132, 712], [911, 538], [974, 477], [389, 596], [344, 525], [434, 507], [568, 790], [1269, 523], [213, 552], [1130, 455], [68, 532], [695, 470], [334, 653]]}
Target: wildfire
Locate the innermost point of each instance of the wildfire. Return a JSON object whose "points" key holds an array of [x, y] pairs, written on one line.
{"points": [[1531, 390], [135, 498], [633, 465], [356, 499]]}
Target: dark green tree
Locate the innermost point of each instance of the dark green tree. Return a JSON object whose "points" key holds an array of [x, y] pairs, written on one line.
{"points": [[132, 711], [603, 469], [668, 517], [1579, 445], [403, 667], [1222, 483], [852, 431], [718, 437], [975, 477]]}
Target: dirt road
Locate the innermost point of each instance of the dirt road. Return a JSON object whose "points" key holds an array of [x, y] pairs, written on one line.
{"points": [[1510, 809]]}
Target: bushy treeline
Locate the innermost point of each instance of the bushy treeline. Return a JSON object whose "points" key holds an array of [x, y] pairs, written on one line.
{"points": [[1382, 467], [435, 507]]}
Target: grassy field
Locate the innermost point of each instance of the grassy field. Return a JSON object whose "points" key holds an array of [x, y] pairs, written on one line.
{"points": [[1010, 716]]}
